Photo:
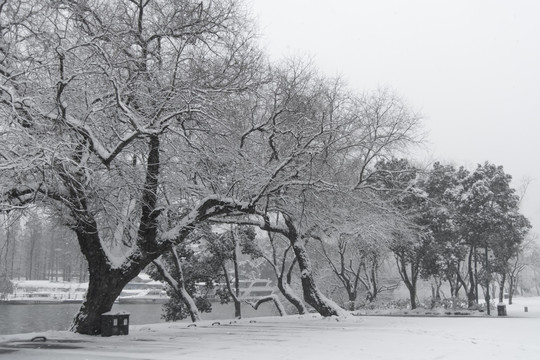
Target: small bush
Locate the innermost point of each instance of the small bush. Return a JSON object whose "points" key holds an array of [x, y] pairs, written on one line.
{"points": [[175, 309]]}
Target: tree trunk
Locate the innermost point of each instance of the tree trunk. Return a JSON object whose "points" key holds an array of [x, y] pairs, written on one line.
{"points": [[233, 293], [237, 304], [501, 288], [287, 292], [12, 271], [352, 299], [284, 279], [436, 289], [510, 290], [6, 258], [471, 293], [412, 296], [475, 275], [237, 307], [410, 282], [179, 285], [488, 274], [105, 281], [373, 281], [31, 258], [181, 289], [104, 286], [471, 297], [312, 295], [452, 289]]}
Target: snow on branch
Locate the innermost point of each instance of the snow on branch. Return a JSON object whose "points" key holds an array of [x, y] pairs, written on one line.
{"points": [[208, 207], [18, 197], [273, 222], [256, 303]]}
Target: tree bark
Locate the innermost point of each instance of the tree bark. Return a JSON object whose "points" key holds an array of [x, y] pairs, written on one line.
{"points": [[352, 299], [488, 275], [30, 271], [412, 296], [312, 295], [501, 287], [410, 282], [237, 304], [287, 292], [471, 293], [105, 281], [13, 254], [284, 278], [234, 293], [511, 290], [103, 288], [475, 275], [373, 280]]}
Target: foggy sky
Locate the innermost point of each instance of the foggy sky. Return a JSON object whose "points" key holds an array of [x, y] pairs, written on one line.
{"points": [[470, 67]]}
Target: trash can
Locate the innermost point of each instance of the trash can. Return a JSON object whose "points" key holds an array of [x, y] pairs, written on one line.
{"points": [[114, 323], [501, 309]]}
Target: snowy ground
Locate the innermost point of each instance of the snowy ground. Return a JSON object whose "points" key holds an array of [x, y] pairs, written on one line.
{"points": [[308, 337]]}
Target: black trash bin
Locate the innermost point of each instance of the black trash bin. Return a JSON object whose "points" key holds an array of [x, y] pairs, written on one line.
{"points": [[501, 309], [114, 323]]}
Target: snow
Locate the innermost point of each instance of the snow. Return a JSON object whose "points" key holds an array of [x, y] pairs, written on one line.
{"points": [[47, 284], [191, 217], [116, 313], [308, 337]]}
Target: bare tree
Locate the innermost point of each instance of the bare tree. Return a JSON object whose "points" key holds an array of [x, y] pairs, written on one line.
{"points": [[356, 262], [282, 224]]}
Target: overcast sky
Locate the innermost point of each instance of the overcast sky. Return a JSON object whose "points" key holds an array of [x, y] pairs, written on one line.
{"points": [[470, 67]]}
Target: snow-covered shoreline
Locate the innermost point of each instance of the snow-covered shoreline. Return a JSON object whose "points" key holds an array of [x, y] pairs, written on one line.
{"points": [[307, 337]]}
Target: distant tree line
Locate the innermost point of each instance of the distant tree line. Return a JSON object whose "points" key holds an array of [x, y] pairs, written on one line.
{"points": [[33, 248]]}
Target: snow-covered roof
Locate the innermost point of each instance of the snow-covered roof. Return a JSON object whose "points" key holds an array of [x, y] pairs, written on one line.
{"points": [[47, 284]]}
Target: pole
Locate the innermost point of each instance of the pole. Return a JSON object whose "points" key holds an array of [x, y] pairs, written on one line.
{"points": [[476, 273], [487, 282]]}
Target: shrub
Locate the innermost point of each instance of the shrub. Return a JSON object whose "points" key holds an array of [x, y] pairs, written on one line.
{"points": [[175, 309]]}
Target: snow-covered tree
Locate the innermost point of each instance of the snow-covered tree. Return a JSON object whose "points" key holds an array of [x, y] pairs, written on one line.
{"points": [[106, 107], [488, 210], [445, 258], [134, 121], [352, 238], [532, 260], [224, 249], [506, 245], [277, 252], [183, 298], [398, 183]]}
